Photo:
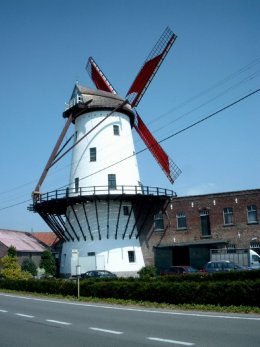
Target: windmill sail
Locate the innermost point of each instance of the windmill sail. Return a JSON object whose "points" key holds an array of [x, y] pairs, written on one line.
{"points": [[168, 166], [150, 67], [136, 92], [98, 77]]}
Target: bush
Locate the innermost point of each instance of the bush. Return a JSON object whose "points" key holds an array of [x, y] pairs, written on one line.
{"points": [[147, 271], [29, 266], [12, 270], [48, 263]]}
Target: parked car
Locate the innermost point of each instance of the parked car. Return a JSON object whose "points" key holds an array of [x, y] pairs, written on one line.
{"points": [[179, 270], [98, 274], [222, 265]]}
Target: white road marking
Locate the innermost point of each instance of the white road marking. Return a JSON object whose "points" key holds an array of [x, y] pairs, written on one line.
{"points": [[107, 331], [171, 341], [57, 322], [24, 315], [164, 312], [4, 311]]}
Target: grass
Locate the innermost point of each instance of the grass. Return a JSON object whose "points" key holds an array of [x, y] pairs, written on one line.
{"points": [[146, 304]]}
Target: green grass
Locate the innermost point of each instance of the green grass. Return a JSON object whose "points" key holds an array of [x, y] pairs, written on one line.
{"points": [[187, 307]]}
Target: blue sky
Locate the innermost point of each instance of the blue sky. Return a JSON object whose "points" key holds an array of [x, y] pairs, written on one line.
{"points": [[215, 61]]}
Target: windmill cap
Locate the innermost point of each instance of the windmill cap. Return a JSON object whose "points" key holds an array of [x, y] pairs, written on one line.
{"points": [[84, 100]]}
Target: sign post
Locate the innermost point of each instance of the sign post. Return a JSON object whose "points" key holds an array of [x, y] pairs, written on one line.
{"points": [[78, 273]]}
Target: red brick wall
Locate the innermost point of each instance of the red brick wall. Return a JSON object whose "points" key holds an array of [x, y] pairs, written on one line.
{"points": [[240, 234]]}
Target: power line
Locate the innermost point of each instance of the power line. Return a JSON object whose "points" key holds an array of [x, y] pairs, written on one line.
{"points": [[161, 141], [172, 135], [18, 203]]}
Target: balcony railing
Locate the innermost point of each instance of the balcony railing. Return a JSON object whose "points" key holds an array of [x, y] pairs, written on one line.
{"points": [[104, 190]]}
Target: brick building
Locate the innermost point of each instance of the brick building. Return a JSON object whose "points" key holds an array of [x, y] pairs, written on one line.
{"points": [[192, 225]]}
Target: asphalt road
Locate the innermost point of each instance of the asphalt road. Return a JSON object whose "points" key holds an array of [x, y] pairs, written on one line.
{"points": [[31, 322]]}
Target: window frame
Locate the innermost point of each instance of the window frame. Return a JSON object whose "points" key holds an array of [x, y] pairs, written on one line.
{"points": [[205, 223], [111, 181], [158, 222], [116, 130], [93, 154], [131, 256], [181, 219], [228, 216], [76, 182], [252, 212], [125, 210]]}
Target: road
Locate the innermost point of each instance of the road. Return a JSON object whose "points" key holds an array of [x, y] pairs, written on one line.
{"points": [[28, 322]]}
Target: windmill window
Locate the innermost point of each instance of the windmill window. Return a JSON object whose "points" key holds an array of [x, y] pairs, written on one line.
{"points": [[116, 130], [126, 210], [252, 214], [76, 185], [131, 256], [93, 154], [181, 221], [111, 181], [228, 216], [158, 222]]}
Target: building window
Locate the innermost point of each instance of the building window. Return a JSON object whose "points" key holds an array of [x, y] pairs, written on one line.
{"points": [[76, 185], [126, 210], [131, 256], [205, 223], [116, 129], [93, 154], [228, 216], [158, 222], [251, 214], [91, 254], [111, 181], [181, 220]]}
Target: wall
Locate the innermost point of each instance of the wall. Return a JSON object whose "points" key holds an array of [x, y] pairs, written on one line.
{"points": [[240, 234]]}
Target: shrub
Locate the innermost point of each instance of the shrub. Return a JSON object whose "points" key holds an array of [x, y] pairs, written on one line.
{"points": [[147, 271], [29, 266], [12, 270], [48, 263], [11, 252]]}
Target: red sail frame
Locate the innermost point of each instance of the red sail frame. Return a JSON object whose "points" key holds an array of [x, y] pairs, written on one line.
{"points": [[98, 77], [150, 67], [168, 166], [136, 92]]}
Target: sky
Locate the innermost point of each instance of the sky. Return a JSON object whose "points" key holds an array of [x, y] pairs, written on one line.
{"points": [[214, 62]]}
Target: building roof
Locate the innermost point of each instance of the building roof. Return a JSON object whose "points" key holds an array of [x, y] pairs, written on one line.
{"points": [[48, 238], [22, 241]]}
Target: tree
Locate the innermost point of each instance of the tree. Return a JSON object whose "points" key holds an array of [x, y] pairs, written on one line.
{"points": [[147, 271], [11, 268], [11, 252], [29, 266], [48, 263]]}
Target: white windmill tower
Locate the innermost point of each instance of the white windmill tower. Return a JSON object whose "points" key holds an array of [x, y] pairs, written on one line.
{"points": [[104, 213]]}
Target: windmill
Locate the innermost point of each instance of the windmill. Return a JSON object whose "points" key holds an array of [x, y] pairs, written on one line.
{"points": [[104, 215]]}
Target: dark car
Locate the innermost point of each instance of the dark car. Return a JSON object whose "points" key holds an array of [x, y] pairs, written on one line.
{"points": [[222, 265], [179, 270], [98, 274]]}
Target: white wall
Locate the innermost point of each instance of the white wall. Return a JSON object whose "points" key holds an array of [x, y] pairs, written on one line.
{"points": [[114, 252], [111, 149]]}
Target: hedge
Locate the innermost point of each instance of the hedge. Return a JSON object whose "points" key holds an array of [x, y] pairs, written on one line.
{"points": [[217, 292]]}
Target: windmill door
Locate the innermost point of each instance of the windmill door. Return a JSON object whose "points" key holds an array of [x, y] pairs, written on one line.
{"points": [[100, 262]]}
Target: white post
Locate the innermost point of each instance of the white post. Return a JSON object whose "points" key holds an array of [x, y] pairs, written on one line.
{"points": [[78, 273]]}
